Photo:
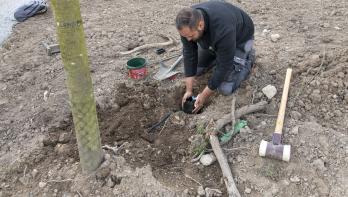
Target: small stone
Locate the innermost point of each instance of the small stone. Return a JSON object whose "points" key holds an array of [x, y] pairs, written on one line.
{"points": [[294, 130], [295, 179], [116, 192], [64, 138], [259, 95], [272, 72], [102, 103], [315, 96], [326, 40], [62, 149], [45, 95], [34, 173], [207, 159], [245, 129], [107, 156], [116, 107], [49, 141], [29, 77], [270, 91], [266, 31], [285, 182], [42, 184], [301, 103], [191, 125], [186, 191], [212, 192], [247, 190], [102, 173], [110, 183], [340, 75], [147, 105], [338, 113], [314, 60], [326, 25], [24, 180], [275, 189], [296, 115], [275, 37], [201, 191], [3, 101], [3, 86], [319, 165]]}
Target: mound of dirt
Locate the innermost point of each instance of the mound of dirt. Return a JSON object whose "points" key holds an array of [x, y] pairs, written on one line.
{"points": [[38, 151]]}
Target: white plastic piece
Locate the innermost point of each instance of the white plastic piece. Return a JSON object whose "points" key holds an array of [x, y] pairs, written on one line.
{"points": [[286, 153], [263, 147], [270, 91], [208, 159]]}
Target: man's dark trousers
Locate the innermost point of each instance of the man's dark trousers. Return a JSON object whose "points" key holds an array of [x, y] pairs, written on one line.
{"points": [[243, 61]]}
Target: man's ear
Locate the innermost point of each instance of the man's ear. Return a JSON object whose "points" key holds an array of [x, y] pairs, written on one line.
{"points": [[200, 25]]}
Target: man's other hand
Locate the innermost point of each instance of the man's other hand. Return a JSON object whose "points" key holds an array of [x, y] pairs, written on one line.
{"points": [[200, 100]]}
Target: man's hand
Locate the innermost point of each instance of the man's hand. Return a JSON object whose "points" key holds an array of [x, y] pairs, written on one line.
{"points": [[189, 87], [201, 99], [186, 95]]}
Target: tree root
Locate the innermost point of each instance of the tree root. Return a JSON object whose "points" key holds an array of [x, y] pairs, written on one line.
{"points": [[148, 46], [240, 112]]}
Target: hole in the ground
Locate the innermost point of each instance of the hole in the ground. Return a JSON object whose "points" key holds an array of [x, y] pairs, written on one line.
{"points": [[127, 116], [188, 106]]}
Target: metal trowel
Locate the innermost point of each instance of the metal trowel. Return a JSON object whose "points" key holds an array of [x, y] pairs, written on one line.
{"points": [[165, 71]]}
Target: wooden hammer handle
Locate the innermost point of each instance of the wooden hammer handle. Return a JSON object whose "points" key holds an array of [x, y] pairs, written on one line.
{"points": [[281, 113]]}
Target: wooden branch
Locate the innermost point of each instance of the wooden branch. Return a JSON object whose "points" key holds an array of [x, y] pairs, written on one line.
{"points": [[148, 46], [225, 168], [233, 109], [240, 112]]}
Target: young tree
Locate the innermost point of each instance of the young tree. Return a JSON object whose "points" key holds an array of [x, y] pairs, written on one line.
{"points": [[74, 55]]}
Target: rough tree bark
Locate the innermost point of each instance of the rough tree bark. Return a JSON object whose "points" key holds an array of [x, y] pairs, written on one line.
{"points": [[74, 55]]}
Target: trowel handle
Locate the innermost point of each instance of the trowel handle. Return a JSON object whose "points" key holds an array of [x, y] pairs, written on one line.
{"points": [[176, 63], [281, 113]]}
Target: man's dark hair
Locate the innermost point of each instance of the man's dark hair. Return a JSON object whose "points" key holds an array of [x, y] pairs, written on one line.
{"points": [[188, 17]]}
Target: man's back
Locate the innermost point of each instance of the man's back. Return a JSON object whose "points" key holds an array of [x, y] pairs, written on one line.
{"points": [[226, 19]]}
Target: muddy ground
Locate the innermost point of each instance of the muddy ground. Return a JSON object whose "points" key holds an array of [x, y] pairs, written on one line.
{"points": [[38, 151]]}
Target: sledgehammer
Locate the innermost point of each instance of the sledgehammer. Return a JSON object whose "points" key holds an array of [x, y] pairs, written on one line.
{"points": [[276, 149]]}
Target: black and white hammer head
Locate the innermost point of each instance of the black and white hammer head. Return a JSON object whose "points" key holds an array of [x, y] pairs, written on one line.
{"points": [[280, 152]]}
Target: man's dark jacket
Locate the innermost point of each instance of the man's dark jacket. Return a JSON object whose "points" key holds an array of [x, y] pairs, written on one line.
{"points": [[226, 26]]}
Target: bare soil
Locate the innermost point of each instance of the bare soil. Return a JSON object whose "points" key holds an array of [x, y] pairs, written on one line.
{"points": [[38, 151]]}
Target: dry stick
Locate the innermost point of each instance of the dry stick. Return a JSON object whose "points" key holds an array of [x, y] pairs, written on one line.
{"points": [[114, 149], [240, 112], [148, 46], [164, 125], [225, 168], [60, 181], [233, 149], [187, 176], [79, 193], [195, 159], [25, 170], [233, 109]]}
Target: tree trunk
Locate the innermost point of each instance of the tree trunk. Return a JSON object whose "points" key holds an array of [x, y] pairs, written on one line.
{"points": [[74, 55]]}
